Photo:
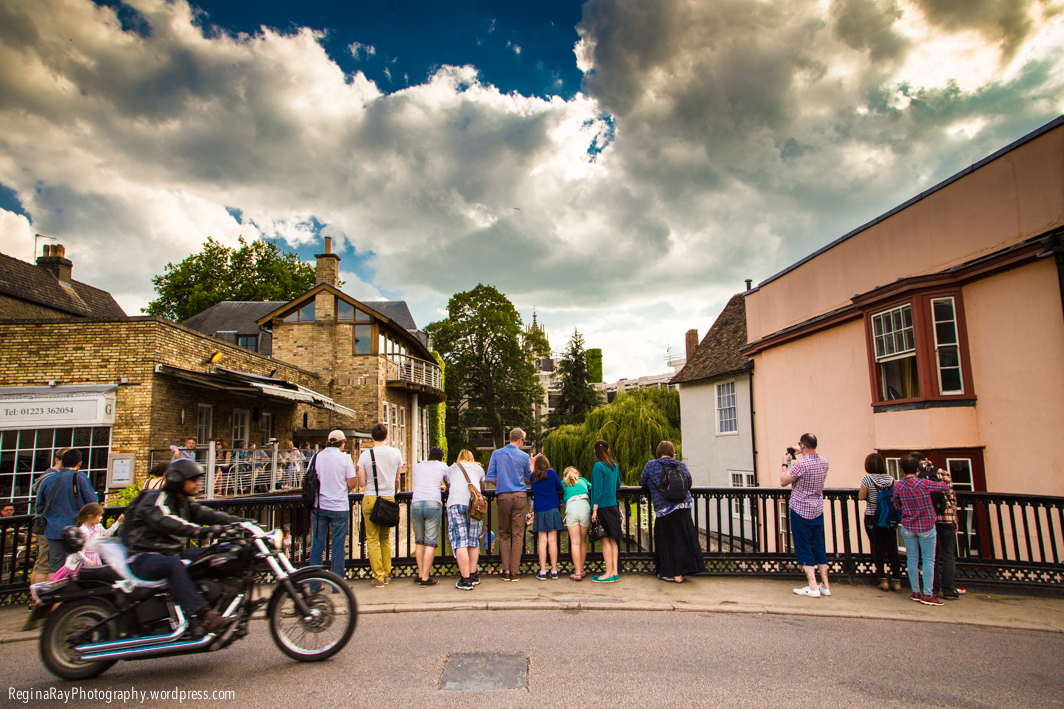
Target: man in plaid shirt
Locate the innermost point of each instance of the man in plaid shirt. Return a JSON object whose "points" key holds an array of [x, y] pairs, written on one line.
{"points": [[807, 513], [912, 497], [946, 533]]}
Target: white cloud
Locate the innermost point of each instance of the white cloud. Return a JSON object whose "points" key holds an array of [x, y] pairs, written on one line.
{"points": [[726, 140], [362, 51]]}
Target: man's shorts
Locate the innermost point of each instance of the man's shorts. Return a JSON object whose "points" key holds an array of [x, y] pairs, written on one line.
{"points": [[425, 516], [41, 565], [56, 555], [462, 530]]}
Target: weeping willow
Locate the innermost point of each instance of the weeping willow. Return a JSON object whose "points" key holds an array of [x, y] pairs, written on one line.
{"points": [[633, 424]]}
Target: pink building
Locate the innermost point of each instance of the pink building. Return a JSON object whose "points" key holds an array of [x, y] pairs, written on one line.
{"points": [[936, 327]]}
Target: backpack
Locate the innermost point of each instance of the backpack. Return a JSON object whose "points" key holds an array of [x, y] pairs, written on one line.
{"points": [[887, 514], [673, 482], [311, 486], [938, 499]]}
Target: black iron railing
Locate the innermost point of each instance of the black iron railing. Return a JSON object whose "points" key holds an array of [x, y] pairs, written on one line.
{"points": [[1002, 538]]}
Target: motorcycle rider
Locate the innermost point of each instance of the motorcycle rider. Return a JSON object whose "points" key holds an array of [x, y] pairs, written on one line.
{"points": [[159, 524]]}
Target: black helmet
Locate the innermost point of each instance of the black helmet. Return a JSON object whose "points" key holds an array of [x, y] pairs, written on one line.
{"points": [[72, 539], [181, 470]]}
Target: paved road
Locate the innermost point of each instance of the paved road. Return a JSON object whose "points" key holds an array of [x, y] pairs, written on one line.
{"points": [[593, 658]]}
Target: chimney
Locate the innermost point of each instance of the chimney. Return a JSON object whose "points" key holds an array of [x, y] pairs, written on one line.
{"points": [[328, 269], [749, 283], [691, 341], [55, 262]]}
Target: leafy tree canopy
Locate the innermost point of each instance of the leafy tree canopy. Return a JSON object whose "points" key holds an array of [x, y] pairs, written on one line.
{"points": [[633, 424], [256, 271], [578, 395], [491, 380]]}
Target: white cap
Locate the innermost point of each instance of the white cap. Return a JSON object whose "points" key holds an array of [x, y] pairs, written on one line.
{"points": [[337, 435]]}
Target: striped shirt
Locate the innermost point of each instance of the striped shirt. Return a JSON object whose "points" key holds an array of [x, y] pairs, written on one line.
{"points": [[871, 483], [807, 490]]}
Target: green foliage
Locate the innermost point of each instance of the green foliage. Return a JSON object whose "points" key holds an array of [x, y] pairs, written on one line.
{"points": [[438, 412], [491, 379], [256, 271], [123, 497], [633, 424], [577, 395], [594, 364]]}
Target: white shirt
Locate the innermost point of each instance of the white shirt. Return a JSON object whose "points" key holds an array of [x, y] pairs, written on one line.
{"points": [[389, 460], [334, 469], [428, 476], [459, 493]]}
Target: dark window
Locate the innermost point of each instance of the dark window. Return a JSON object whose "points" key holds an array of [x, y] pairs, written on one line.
{"points": [[248, 342], [363, 339]]}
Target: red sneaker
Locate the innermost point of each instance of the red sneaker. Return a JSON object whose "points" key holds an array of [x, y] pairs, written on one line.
{"points": [[916, 596], [931, 600]]}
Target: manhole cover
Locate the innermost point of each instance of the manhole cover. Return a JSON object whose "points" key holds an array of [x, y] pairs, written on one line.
{"points": [[485, 670]]}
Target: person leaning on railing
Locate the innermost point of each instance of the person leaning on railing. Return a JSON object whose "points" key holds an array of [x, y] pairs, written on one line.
{"points": [[677, 552], [912, 497], [605, 482], [426, 511], [884, 540]]}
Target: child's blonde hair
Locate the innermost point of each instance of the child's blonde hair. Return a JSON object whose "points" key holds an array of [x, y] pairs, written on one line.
{"points": [[571, 476]]}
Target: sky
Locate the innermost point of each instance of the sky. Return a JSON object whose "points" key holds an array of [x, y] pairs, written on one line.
{"points": [[619, 166]]}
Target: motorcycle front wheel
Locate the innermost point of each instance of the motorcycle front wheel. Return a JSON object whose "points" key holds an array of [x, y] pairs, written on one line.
{"points": [[327, 630], [71, 621]]}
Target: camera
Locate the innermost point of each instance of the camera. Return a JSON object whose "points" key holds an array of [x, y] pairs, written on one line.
{"points": [[792, 452]]}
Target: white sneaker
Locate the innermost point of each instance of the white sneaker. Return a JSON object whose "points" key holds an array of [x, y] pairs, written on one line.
{"points": [[824, 591], [806, 591]]}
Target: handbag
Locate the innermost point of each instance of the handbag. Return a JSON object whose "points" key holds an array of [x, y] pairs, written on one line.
{"points": [[40, 522], [596, 531], [385, 512], [478, 506]]}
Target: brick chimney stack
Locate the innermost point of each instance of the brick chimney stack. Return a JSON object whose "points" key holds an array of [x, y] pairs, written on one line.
{"points": [[54, 261], [691, 340], [328, 269]]}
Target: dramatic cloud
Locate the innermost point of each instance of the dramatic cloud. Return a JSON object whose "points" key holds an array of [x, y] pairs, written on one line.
{"points": [[714, 142]]}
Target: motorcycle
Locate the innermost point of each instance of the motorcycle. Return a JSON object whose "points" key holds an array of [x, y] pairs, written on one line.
{"points": [[101, 615]]}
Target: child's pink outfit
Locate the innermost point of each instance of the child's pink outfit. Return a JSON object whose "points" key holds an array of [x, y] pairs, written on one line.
{"points": [[86, 556]]}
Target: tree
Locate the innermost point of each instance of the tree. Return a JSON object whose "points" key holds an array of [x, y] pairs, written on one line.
{"points": [[491, 381], [594, 364], [578, 395], [256, 271], [633, 424]]}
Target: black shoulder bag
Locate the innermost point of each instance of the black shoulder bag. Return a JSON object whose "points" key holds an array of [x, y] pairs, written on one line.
{"points": [[311, 486], [385, 512]]}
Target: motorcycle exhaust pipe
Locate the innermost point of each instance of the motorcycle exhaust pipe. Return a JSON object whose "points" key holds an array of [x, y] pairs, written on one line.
{"points": [[114, 645], [153, 651]]}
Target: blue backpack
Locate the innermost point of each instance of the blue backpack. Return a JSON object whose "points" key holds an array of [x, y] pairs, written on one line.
{"points": [[886, 514]]}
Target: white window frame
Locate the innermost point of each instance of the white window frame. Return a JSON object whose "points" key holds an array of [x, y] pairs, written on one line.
{"points": [[393, 432], [734, 407], [745, 479], [240, 431], [265, 428], [956, 343], [970, 486], [203, 437], [888, 315], [385, 419], [402, 428]]}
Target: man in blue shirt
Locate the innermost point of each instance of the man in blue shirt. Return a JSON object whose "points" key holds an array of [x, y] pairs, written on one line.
{"points": [[509, 468], [60, 499]]}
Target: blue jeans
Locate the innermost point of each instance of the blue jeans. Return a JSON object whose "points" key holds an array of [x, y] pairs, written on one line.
{"points": [[808, 537], [920, 544], [320, 521], [156, 567]]}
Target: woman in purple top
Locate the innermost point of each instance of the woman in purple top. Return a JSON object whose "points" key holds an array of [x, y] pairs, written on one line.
{"points": [[546, 488]]}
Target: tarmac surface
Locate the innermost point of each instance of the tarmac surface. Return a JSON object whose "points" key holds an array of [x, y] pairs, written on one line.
{"points": [[641, 642]]}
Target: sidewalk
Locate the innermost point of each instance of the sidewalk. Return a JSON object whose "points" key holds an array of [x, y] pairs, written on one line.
{"points": [[998, 608]]}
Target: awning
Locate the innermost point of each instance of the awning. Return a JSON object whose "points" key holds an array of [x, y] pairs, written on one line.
{"points": [[243, 383]]}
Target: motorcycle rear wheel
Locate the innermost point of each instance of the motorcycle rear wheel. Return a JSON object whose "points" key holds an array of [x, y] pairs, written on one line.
{"points": [[57, 644], [326, 634]]}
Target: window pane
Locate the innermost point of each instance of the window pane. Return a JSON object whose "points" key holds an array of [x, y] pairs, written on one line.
{"points": [[100, 436], [291, 317], [345, 312], [943, 310], [907, 316], [363, 339], [945, 333], [82, 437], [896, 316], [960, 470], [948, 357], [951, 380], [306, 313], [877, 325], [361, 316], [910, 341], [899, 379]]}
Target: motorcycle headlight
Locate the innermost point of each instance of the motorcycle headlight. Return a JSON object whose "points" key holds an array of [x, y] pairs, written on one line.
{"points": [[275, 538]]}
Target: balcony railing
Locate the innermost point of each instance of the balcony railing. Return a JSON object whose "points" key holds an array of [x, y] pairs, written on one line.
{"points": [[1012, 540], [404, 368]]}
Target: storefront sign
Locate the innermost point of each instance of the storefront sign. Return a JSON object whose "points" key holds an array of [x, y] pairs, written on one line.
{"points": [[75, 409], [120, 470]]}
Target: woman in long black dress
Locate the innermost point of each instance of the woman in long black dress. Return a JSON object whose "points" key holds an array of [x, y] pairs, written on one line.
{"points": [[677, 552]]}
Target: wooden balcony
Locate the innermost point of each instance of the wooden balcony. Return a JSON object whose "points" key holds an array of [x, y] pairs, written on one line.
{"points": [[416, 375]]}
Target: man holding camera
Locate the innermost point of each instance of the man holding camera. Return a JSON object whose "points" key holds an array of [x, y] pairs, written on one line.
{"points": [[945, 531], [806, 476]]}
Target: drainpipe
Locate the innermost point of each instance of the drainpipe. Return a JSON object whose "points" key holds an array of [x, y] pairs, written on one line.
{"points": [[753, 433], [1054, 246]]}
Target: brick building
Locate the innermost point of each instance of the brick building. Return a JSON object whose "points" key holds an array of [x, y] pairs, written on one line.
{"points": [[78, 372]]}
